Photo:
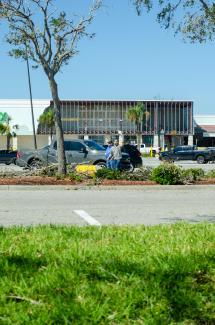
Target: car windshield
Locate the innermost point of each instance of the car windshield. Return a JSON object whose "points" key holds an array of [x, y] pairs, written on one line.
{"points": [[93, 145]]}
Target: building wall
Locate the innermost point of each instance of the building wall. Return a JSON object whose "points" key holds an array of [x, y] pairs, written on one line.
{"points": [[26, 142], [3, 142]]}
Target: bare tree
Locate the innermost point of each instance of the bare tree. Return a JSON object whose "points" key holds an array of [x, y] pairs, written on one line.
{"points": [[43, 34]]}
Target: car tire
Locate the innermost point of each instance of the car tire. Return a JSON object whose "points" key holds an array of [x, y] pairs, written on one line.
{"points": [[101, 164], [35, 164], [200, 159], [131, 168]]}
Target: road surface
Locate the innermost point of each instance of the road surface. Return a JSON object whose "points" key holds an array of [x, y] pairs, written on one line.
{"points": [[149, 205]]}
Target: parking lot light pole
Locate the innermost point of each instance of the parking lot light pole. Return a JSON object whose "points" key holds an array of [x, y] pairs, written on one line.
{"points": [[30, 92]]}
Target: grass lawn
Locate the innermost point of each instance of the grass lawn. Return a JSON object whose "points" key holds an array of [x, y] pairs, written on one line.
{"points": [[109, 275]]}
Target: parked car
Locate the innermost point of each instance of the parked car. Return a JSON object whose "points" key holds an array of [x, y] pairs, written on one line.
{"points": [[134, 153], [188, 153], [76, 151], [144, 149], [8, 157]]}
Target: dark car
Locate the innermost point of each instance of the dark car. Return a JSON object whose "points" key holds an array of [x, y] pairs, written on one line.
{"points": [[8, 157], [188, 153], [134, 153]]}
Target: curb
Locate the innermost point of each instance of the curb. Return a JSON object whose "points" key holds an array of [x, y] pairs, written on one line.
{"points": [[103, 187]]}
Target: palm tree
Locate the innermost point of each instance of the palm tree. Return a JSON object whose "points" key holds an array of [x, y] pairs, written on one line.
{"points": [[136, 115], [5, 129], [47, 119]]}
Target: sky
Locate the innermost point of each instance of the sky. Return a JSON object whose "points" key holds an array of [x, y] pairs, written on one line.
{"points": [[131, 57]]}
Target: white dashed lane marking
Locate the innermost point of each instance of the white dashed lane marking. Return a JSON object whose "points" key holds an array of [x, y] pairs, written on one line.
{"points": [[90, 220]]}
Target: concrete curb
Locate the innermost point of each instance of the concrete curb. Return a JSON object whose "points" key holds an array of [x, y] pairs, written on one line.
{"points": [[103, 187]]}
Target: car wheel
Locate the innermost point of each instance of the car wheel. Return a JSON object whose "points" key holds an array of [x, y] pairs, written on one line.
{"points": [[131, 168], [101, 164], [200, 159], [35, 164]]}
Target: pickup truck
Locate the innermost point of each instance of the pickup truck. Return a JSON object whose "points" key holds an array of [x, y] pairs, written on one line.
{"points": [[8, 157], [76, 151], [188, 153]]}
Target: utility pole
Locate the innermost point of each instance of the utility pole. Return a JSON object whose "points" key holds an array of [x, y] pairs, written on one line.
{"points": [[32, 109]]}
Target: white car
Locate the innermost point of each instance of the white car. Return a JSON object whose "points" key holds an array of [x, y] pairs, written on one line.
{"points": [[144, 149]]}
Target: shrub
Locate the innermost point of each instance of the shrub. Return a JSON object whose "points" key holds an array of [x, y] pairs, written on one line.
{"points": [[141, 174], [211, 174], [73, 176], [167, 174], [106, 173], [50, 170], [192, 174]]}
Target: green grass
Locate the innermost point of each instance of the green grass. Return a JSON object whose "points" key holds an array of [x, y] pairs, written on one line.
{"points": [[108, 275]]}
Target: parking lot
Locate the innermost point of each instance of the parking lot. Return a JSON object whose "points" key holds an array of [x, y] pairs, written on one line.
{"points": [[152, 162]]}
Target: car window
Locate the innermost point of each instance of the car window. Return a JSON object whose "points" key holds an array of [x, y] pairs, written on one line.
{"points": [[178, 149], [71, 146], [93, 145], [76, 146]]}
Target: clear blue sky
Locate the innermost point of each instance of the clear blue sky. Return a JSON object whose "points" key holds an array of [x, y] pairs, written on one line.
{"points": [[131, 57]]}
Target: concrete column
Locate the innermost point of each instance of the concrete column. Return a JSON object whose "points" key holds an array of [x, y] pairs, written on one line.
{"points": [[190, 140], [156, 140], [14, 143], [162, 141], [121, 138], [107, 138]]}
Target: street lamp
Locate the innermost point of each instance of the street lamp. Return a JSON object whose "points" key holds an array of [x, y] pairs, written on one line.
{"points": [[32, 109]]}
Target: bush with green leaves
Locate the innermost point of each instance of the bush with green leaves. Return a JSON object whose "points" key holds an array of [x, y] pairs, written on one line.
{"points": [[74, 176], [167, 174], [106, 173], [192, 174], [141, 174], [50, 170], [211, 174]]}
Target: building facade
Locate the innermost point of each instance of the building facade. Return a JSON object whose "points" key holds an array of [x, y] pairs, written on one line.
{"points": [[204, 129], [166, 122]]}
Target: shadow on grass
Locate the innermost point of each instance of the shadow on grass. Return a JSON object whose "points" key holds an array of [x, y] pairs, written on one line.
{"points": [[20, 265], [183, 283]]}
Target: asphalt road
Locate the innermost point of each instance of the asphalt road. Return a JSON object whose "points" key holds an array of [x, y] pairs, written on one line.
{"points": [[154, 162], [147, 205]]}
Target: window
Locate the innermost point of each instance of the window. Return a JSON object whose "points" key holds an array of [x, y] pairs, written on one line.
{"points": [[76, 146], [67, 145], [93, 145]]}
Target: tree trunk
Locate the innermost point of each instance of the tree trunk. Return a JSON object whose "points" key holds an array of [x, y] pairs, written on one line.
{"points": [[58, 126], [139, 136], [8, 142], [51, 133]]}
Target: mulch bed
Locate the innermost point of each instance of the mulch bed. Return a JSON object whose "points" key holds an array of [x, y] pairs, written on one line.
{"points": [[38, 180], [35, 180]]}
